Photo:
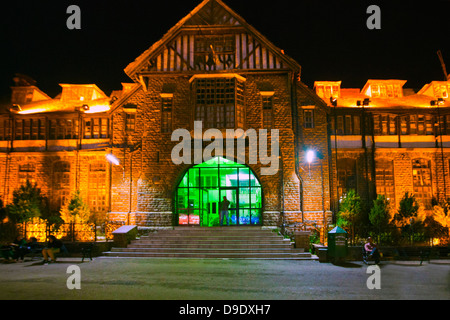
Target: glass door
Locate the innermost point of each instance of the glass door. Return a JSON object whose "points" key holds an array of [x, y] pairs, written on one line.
{"points": [[232, 195]]}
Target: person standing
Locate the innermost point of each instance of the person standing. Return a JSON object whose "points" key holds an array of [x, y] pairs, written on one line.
{"points": [[224, 210]]}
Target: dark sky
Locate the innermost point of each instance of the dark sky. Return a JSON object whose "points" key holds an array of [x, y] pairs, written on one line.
{"points": [[329, 39]]}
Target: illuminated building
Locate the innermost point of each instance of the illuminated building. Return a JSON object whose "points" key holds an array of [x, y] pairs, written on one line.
{"points": [[214, 67]]}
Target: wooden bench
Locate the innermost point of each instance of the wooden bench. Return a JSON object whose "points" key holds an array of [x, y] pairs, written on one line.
{"points": [[413, 253], [86, 251]]}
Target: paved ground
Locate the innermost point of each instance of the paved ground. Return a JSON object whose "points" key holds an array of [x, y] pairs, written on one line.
{"points": [[191, 279]]}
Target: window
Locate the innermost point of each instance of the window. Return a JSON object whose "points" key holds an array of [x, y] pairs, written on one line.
{"points": [[404, 124], [219, 102], [5, 129], [214, 52], [392, 125], [166, 115], [26, 172], [26, 129], [130, 122], [61, 183], [347, 125], [340, 125], [267, 103], [383, 91], [104, 128], [384, 179], [422, 181], [19, 130], [97, 187], [441, 91], [346, 169], [95, 128], [417, 124], [35, 129], [385, 124], [88, 128], [356, 125], [328, 91], [308, 116]]}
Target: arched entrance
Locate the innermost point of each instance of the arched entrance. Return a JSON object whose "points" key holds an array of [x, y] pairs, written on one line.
{"points": [[202, 188]]}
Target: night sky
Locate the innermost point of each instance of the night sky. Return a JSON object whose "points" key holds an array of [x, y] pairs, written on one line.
{"points": [[329, 39]]}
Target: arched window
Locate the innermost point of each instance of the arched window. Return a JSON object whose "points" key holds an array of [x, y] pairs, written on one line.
{"points": [[422, 181]]}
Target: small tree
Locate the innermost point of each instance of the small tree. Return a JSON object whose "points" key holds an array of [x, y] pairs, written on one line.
{"points": [[438, 224], [350, 212], [28, 203], [410, 215], [75, 210], [379, 215]]}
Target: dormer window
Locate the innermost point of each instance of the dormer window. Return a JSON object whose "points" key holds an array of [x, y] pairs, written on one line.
{"points": [[384, 88], [441, 91], [328, 89], [385, 91]]}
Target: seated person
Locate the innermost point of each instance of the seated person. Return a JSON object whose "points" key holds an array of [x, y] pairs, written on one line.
{"points": [[20, 248], [54, 246], [7, 252], [372, 250]]}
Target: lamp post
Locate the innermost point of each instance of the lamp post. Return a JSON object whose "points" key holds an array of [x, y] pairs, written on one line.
{"points": [[310, 156], [111, 158]]}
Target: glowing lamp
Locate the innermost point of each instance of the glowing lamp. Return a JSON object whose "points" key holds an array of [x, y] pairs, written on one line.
{"points": [[310, 154], [112, 159]]}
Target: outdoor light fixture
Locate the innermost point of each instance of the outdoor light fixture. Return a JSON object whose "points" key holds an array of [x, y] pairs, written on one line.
{"points": [[333, 101], [310, 154], [438, 102], [112, 159], [15, 108], [84, 108], [363, 103]]}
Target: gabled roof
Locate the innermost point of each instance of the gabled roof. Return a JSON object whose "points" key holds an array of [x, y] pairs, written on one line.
{"points": [[205, 12]]}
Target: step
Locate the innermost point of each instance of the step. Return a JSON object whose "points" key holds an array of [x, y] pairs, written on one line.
{"points": [[219, 255], [210, 245], [234, 242], [205, 250]]}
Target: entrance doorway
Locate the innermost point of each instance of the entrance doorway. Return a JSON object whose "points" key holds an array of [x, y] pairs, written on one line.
{"points": [[201, 190]]}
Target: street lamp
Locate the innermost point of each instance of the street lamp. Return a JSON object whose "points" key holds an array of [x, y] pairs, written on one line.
{"points": [[112, 159], [310, 155]]}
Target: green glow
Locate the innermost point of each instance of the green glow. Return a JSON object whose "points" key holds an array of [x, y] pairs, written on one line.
{"points": [[198, 196]]}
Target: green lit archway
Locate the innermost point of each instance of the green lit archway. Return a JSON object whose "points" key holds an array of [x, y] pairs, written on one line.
{"points": [[202, 188]]}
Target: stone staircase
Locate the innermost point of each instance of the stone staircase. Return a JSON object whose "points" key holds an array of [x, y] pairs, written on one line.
{"points": [[234, 242]]}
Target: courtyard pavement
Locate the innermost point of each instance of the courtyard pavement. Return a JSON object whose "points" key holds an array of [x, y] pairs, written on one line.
{"points": [[222, 279]]}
